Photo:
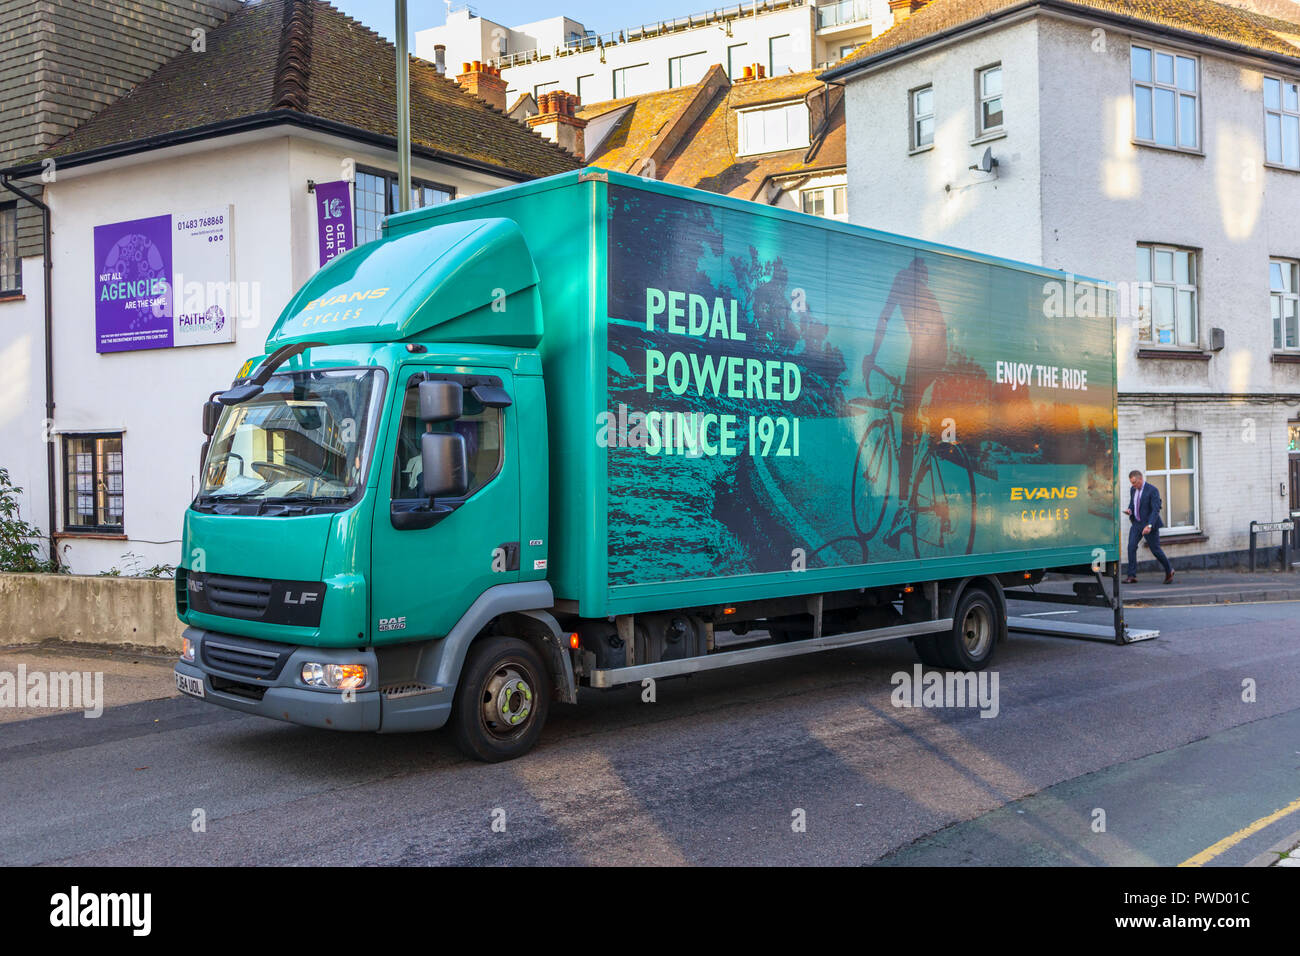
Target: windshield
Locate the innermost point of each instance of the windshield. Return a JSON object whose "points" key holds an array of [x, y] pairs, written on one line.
{"points": [[303, 438]]}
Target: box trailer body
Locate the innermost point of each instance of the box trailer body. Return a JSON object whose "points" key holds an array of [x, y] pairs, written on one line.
{"points": [[682, 414]]}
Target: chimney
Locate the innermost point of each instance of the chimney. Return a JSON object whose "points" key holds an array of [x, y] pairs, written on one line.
{"points": [[479, 79], [440, 58], [902, 9], [556, 120]]}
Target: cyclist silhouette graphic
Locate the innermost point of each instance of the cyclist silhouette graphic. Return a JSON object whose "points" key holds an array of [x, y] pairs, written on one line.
{"points": [[910, 294]]}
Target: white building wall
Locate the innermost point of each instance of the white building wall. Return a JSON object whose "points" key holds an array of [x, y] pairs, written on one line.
{"points": [[155, 397], [655, 51], [932, 194], [1102, 195], [22, 393]]}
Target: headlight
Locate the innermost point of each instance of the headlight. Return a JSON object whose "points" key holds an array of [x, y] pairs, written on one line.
{"points": [[336, 676], [187, 649]]}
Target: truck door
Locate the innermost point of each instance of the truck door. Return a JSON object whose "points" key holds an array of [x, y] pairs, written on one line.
{"points": [[425, 576]]}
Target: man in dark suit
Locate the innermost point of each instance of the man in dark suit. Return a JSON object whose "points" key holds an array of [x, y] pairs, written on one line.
{"points": [[1144, 522]]}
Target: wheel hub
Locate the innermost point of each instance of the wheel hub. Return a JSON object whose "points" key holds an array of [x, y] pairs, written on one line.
{"points": [[508, 700], [976, 631]]}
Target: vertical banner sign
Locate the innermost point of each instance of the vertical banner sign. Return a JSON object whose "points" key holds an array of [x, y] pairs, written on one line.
{"points": [[333, 219], [133, 274], [164, 282]]}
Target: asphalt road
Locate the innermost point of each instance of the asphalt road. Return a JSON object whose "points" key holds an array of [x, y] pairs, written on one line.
{"points": [[717, 770]]}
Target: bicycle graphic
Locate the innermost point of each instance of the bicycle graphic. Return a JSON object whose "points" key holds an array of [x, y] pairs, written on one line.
{"points": [[940, 517]]}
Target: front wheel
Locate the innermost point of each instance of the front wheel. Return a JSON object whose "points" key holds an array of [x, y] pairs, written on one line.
{"points": [[502, 700]]}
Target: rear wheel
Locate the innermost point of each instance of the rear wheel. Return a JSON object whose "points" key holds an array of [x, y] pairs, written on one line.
{"points": [[969, 645], [502, 700]]}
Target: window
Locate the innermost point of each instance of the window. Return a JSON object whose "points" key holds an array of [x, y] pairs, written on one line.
{"points": [[1281, 122], [988, 83], [1167, 284], [736, 60], [829, 201], [479, 425], [11, 266], [922, 117], [1165, 110], [1171, 467], [687, 70], [780, 56], [541, 88], [631, 80], [773, 128], [92, 483], [586, 87], [1283, 286], [847, 49], [375, 194]]}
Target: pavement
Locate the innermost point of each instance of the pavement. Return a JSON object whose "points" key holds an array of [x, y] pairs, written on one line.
{"points": [[1197, 587], [124, 676]]}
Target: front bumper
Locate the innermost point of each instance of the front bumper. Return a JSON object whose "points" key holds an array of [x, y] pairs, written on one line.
{"points": [[279, 692]]}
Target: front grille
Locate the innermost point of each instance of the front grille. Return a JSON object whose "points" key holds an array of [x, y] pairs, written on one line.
{"points": [[249, 658], [238, 597], [248, 691]]}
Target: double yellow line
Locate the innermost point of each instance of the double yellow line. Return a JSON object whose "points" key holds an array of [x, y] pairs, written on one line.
{"points": [[1209, 853]]}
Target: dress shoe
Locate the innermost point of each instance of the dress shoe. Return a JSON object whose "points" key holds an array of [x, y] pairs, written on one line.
{"points": [[1130, 580], [1169, 578]]}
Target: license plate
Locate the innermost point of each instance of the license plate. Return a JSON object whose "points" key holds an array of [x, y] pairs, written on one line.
{"points": [[189, 685]]}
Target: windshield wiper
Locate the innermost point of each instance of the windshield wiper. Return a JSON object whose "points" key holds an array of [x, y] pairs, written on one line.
{"points": [[228, 495], [303, 496]]}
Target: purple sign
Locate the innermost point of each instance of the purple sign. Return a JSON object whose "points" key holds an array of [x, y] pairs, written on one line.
{"points": [[333, 219], [133, 275]]}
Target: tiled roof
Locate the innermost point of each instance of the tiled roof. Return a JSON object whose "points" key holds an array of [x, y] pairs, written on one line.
{"points": [[705, 156], [1215, 21], [308, 57]]}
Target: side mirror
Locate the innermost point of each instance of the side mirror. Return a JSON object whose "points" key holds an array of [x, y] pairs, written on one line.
{"points": [[441, 401], [443, 460], [211, 415]]}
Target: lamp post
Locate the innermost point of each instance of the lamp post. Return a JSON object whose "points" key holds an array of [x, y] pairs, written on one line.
{"points": [[403, 112]]}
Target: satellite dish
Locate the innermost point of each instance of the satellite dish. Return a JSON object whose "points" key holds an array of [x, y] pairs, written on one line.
{"points": [[987, 162]]}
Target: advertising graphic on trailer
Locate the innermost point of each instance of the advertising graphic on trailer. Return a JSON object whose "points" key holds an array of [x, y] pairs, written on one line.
{"points": [[786, 396]]}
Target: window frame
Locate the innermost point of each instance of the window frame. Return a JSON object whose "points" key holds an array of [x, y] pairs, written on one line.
{"points": [[622, 73], [771, 53], [827, 197], [1282, 296], [981, 98], [914, 118], [9, 251], [1282, 112], [743, 146], [677, 61], [390, 186], [1194, 471], [69, 489], [736, 70], [1149, 286], [1153, 84], [412, 384]]}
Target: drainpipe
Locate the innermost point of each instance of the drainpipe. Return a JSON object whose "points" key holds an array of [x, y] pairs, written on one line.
{"points": [[49, 356]]}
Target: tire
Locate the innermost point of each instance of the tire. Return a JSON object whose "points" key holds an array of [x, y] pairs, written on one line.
{"points": [[503, 680], [976, 626]]}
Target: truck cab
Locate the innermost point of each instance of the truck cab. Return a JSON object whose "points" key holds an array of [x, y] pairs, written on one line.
{"points": [[379, 476]]}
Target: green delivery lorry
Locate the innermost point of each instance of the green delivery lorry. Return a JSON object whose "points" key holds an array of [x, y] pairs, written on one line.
{"points": [[594, 430]]}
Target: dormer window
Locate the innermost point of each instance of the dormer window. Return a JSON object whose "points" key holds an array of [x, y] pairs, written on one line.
{"points": [[768, 129]]}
